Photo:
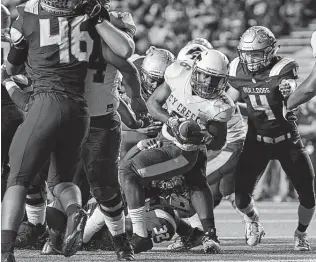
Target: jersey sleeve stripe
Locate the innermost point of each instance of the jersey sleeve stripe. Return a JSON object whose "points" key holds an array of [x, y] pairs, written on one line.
{"points": [[276, 70]]}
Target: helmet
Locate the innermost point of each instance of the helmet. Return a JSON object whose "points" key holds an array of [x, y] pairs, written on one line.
{"points": [[190, 52], [5, 23], [153, 69], [209, 74], [62, 7], [256, 48], [201, 41]]}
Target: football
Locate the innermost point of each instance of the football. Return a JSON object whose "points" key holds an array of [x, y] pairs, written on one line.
{"points": [[187, 129]]}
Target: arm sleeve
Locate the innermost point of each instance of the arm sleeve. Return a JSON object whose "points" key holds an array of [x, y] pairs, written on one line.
{"points": [[219, 132]]}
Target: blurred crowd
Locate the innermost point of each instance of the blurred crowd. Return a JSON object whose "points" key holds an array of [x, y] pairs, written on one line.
{"points": [[172, 23]]}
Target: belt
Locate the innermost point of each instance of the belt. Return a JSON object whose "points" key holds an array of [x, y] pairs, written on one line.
{"points": [[273, 140]]}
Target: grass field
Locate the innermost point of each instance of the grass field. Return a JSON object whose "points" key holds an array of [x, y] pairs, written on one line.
{"points": [[278, 219]]}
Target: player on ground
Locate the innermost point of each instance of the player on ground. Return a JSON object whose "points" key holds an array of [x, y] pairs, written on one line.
{"points": [[307, 89], [189, 92], [57, 65], [262, 80]]}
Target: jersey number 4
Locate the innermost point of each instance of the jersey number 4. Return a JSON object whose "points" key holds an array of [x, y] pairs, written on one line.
{"points": [[263, 107], [69, 39]]}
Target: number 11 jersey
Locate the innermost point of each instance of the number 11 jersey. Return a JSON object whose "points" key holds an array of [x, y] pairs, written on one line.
{"points": [[265, 103], [58, 48]]}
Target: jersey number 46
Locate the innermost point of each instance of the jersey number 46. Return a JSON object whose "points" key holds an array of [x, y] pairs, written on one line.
{"points": [[69, 39]]}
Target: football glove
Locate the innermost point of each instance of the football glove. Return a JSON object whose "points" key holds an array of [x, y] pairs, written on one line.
{"points": [[124, 21], [149, 144], [287, 87]]}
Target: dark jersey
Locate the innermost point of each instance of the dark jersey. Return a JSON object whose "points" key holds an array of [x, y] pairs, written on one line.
{"points": [[58, 48], [265, 103], [5, 47]]}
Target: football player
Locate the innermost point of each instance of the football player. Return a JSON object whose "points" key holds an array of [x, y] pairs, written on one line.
{"points": [[57, 62], [220, 164], [11, 116], [189, 92], [151, 68], [263, 80], [307, 89]]}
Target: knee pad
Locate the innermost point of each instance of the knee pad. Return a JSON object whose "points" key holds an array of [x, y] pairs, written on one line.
{"points": [[36, 195], [105, 194]]}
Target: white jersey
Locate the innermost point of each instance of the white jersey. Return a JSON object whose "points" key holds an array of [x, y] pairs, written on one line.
{"points": [[184, 103], [101, 91]]}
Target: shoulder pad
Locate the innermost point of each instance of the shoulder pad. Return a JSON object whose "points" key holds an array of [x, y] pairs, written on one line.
{"points": [[285, 65], [31, 6], [176, 69], [233, 67]]}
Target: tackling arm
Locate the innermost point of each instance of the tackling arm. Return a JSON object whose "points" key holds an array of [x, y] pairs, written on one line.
{"points": [[305, 92], [118, 41], [131, 76], [128, 117], [156, 101]]}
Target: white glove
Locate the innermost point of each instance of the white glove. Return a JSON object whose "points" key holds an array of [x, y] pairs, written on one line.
{"points": [[287, 87], [313, 43], [148, 144]]}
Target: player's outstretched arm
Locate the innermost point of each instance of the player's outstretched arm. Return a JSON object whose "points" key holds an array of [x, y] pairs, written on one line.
{"points": [[305, 92], [131, 76], [118, 41], [128, 117], [233, 93], [157, 100]]}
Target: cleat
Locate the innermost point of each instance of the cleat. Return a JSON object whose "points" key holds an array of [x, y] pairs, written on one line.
{"points": [[210, 242], [74, 232], [48, 250], [141, 244], [123, 248], [301, 242], [30, 235], [193, 239], [253, 233], [7, 257], [54, 242]]}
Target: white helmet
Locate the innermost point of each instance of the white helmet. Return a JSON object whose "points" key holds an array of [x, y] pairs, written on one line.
{"points": [[201, 41], [210, 74], [190, 52]]}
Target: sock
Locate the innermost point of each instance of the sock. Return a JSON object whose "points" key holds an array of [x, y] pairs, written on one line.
{"points": [[68, 193], [251, 212], [138, 220], [116, 225], [36, 214], [94, 223], [7, 240], [305, 216], [231, 199], [183, 228], [194, 221], [56, 219], [207, 224]]}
